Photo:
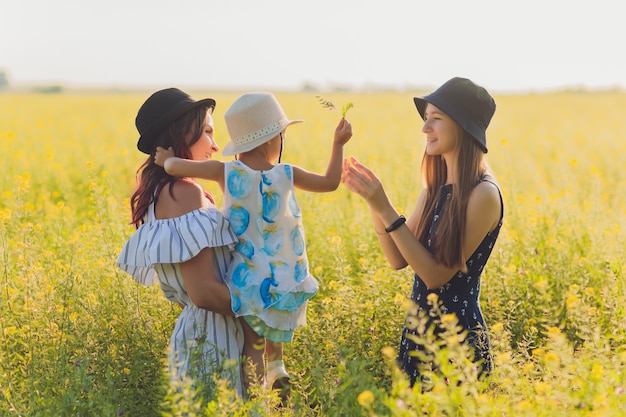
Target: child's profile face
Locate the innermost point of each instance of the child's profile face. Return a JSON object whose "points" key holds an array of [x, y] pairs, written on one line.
{"points": [[275, 146]]}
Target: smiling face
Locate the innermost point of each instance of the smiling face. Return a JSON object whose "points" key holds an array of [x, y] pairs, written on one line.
{"points": [[442, 133], [205, 146]]}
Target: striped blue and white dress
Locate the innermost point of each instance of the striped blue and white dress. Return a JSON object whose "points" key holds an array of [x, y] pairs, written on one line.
{"points": [[203, 342]]}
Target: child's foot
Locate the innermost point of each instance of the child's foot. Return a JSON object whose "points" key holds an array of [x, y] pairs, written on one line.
{"points": [[283, 385], [278, 379]]}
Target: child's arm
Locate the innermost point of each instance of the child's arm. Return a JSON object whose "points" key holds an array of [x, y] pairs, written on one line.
{"points": [[180, 167], [310, 181]]}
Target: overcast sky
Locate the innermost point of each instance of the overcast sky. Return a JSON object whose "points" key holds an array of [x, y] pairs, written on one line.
{"points": [[283, 44]]}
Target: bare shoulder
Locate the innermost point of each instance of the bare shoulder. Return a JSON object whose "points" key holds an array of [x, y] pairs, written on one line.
{"points": [[484, 201], [186, 196], [487, 189]]}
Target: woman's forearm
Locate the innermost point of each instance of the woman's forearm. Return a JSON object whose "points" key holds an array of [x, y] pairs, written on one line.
{"points": [[388, 246], [203, 287], [215, 297]]}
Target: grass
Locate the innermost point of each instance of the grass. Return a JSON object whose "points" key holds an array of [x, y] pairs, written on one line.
{"points": [[79, 338]]}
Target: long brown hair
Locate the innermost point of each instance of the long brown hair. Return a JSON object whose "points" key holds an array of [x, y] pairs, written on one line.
{"points": [[151, 178], [471, 166]]}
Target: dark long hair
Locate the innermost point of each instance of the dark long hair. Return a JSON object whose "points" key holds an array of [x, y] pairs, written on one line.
{"points": [[471, 166], [151, 178]]}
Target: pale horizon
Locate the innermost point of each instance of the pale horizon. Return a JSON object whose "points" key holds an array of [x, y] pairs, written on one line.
{"points": [[328, 45]]}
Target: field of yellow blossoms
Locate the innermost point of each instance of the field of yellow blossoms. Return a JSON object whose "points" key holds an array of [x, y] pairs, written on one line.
{"points": [[79, 338]]}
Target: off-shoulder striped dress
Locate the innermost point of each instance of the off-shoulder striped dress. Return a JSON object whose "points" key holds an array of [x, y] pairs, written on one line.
{"points": [[203, 342]]}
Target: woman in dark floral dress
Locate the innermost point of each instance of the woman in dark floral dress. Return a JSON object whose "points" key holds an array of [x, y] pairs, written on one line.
{"points": [[451, 232]]}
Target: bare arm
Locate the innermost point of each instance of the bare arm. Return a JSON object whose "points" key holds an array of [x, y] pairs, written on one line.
{"points": [[180, 167], [387, 244], [204, 290], [483, 213], [310, 181]]}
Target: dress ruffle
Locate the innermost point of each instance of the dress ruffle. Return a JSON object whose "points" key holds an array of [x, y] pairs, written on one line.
{"points": [[175, 240]]}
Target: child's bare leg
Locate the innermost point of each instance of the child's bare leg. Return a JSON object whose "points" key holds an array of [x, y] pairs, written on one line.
{"points": [[277, 376], [253, 350], [274, 351]]}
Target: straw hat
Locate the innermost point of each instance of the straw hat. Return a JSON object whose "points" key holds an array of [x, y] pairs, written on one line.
{"points": [[252, 120], [468, 104], [159, 110]]}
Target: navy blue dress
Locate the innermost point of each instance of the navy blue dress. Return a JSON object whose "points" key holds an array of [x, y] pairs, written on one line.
{"points": [[459, 296]]}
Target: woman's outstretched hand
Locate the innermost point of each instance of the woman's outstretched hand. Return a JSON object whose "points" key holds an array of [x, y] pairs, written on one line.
{"points": [[361, 180]]}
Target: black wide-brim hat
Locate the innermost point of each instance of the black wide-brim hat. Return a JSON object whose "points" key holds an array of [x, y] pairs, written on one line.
{"points": [[468, 104], [159, 110]]}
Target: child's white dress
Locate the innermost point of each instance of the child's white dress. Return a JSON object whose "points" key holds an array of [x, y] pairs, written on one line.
{"points": [[269, 277]]}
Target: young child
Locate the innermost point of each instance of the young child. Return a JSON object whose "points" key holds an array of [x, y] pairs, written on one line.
{"points": [[269, 278]]}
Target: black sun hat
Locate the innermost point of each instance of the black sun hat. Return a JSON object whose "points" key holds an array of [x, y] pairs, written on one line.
{"points": [[468, 104], [159, 110]]}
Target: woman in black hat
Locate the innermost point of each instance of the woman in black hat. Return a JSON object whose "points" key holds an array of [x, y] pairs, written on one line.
{"points": [[450, 234], [183, 242]]}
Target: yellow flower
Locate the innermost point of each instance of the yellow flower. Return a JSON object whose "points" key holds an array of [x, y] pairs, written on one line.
{"points": [[388, 352], [432, 298], [554, 332], [5, 215], [336, 241], [503, 358], [551, 358], [523, 405], [541, 284], [449, 319], [366, 398], [599, 401], [498, 327], [572, 301], [597, 371], [8, 331], [399, 298], [541, 388]]}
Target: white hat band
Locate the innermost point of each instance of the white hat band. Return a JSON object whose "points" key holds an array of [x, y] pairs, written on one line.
{"points": [[266, 130]]}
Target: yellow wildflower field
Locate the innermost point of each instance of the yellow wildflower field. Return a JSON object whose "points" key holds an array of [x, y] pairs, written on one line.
{"points": [[79, 337]]}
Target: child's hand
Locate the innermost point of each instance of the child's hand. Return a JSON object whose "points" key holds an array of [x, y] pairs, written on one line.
{"points": [[162, 154], [343, 132]]}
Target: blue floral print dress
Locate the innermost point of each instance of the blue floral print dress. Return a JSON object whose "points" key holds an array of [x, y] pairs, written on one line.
{"points": [[269, 277], [459, 296]]}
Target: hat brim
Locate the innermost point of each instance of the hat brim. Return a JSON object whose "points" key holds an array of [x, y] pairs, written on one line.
{"points": [[475, 133], [146, 141], [234, 149]]}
